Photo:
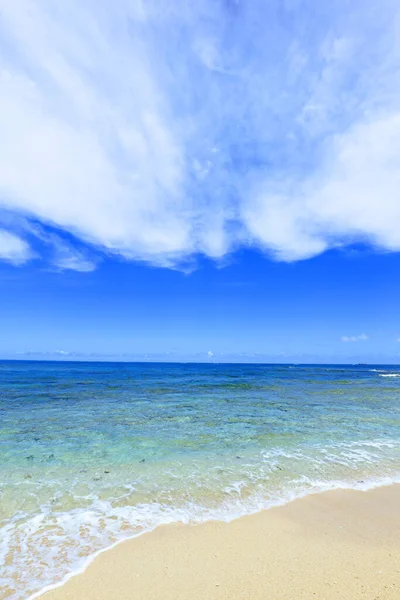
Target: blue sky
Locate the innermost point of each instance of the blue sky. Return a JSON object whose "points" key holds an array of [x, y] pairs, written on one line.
{"points": [[202, 181]]}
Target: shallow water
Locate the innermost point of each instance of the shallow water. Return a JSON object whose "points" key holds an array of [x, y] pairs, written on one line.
{"points": [[95, 452]]}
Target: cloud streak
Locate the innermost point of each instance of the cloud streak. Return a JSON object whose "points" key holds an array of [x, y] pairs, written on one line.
{"points": [[156, 133], [354, 338], [13, 249]]}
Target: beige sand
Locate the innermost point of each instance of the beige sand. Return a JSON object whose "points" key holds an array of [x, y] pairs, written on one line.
{"points": [[337, 545]]}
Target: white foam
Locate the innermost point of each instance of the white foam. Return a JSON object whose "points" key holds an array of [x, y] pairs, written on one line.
{"points": [[389, 375], [254, 483], [315, 486]]}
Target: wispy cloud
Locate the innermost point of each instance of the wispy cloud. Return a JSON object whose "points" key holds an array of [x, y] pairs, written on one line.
{"points": [[61, 254], [156, 132], [13, 249], [354, 338], [66, 257], [51, 354]]}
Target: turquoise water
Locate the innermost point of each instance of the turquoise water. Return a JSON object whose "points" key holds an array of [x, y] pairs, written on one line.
{"points": [[91, 453]]}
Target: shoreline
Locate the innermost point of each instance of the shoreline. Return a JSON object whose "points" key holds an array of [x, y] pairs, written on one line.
{"points": [[364, 486], [121, 558]]}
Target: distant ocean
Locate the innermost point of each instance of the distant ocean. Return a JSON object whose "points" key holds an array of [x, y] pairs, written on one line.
{"points": [[92, 453]]}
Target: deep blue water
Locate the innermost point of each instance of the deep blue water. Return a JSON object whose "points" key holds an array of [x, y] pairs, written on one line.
{"points": [[93, 452]]}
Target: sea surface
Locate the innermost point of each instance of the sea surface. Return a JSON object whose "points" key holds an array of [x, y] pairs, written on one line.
{"points": [[92, 453]]}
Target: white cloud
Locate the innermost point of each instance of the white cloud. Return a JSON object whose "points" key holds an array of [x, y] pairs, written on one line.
{"points": [[357, 197], [66, 257], [74, 261], [156, 134], [13, 249], [355, 338], [210, 354]]}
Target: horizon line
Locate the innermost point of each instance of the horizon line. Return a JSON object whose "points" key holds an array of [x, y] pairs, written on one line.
{"points": [[193, 362]]}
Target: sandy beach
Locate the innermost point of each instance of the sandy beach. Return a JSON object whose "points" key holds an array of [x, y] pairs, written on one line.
{"points": [[341, 544]]}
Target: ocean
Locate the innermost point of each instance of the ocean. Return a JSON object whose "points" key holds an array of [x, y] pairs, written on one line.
{"points": [[93, 453]]}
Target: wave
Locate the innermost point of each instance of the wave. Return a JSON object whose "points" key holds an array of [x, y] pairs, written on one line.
{"points": [[384, 373], [197, 515], [389, 375], [67, 541]]}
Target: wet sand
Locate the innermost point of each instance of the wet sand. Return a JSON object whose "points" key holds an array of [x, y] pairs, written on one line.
{"points": [[336, 545]]}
